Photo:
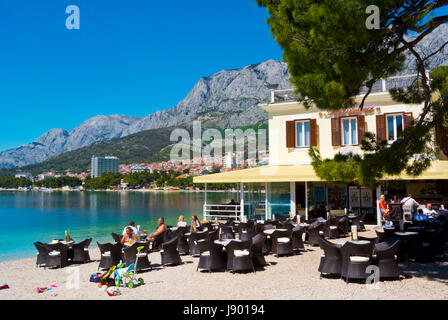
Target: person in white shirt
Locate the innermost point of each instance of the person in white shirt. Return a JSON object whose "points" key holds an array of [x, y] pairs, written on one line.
{"points": [[409, 201], [181, 222], [429, 211], [132, 226]]}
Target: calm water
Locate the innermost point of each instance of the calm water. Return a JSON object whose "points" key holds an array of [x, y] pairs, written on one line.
{"points": [[27, 217]]}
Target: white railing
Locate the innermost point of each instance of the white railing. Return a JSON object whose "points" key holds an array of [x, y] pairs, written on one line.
{"points": [[383, 85], [222, 211]]}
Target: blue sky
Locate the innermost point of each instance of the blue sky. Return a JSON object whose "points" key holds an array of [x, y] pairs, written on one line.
{"points": [[129, 57]]}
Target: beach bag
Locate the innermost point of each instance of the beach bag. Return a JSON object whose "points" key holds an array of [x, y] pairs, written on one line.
{"points": [[95, 277]]}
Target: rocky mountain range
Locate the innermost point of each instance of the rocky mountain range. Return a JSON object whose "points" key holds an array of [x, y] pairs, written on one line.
{"points": [[226, 99]]}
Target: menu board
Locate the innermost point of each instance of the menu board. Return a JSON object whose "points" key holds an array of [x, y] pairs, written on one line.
{"points": [[354, 197], [366, 198]]}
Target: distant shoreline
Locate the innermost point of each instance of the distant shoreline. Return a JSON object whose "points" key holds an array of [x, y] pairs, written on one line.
{"points": [[107, 190]]}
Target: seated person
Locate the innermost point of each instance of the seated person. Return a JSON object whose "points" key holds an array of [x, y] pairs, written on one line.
{"points": [[181, 222], [232, 202], [129, 237], [132, 226], [420, 216], [160, 230], [383, 207], [195, 222], [429, 211]]}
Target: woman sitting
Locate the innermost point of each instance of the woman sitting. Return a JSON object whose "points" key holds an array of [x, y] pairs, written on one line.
{"points": [[129, 237], [181, 222], [195, 223], [383, 207]]}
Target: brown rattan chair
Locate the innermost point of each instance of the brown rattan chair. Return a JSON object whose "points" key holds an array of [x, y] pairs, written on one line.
{"points": [[169, 252], [81, 251], [131, 254], [110, 255], [331, 260], [258, 242], [57, 255], [386, 259], [281, 242], [116, 237], [194, 242], [42, 254], [212, 259], [297, 238], [355, 260], [239, 256]]}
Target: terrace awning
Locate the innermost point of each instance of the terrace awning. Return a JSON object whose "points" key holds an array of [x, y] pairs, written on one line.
{"points": [[305, 173]]}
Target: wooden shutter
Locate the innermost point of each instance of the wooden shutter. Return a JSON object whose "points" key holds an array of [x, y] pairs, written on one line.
{"points": [[380, 127], [290, 134], [442, 139], [408, 118], [313, 132], [361, 122], [336, 131]]}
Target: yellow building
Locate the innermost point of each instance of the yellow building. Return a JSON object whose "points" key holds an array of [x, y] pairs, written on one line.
{"points": [[291, 185]]}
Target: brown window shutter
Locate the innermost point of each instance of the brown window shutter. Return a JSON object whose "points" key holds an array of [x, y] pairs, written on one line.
{"points": [[361, 122], [408, 118], [290, 134], [380, 127], [336, 131], [442, 139], [313, 132]]}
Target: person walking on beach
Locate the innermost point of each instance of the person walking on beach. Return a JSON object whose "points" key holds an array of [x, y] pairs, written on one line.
{"points": [[160, 230]]}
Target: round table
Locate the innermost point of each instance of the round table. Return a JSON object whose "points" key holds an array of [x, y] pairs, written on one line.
{"points": [[225, 242], [271, 231], [342, 242]]}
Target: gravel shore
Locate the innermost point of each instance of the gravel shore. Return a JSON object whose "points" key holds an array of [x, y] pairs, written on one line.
{"points": [[285, 278]]}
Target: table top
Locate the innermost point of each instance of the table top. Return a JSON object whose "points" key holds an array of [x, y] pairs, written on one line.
{"points": [[342, 242], [63, 242], [271, 231], [225, 242], [406, 233]]}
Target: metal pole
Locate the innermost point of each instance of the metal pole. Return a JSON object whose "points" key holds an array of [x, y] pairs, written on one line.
{"points": [[266, 208], [205, 203], [378, 214], [306, 200], [292, 187], [242, 201]]}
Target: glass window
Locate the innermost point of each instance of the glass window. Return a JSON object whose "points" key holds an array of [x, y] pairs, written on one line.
{"points": [[349, 132], [279, 199], [394, 126], [303, 133]]}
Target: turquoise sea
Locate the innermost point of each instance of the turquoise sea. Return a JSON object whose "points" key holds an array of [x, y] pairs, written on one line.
{"points": [[32, 216]]}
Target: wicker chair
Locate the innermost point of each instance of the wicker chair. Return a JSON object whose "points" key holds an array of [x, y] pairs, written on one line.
{"points": [[258, 242], [208, 225], [239, 256], [331, 260], [81, 251], [313, 234], [386, 259], [57, 255], [194, 241], [213, 235], [359, 222], [281, 242], [213, 259], [355, 260], [158, 240], [116, 237], [331, 229], [182, 245], [169, 252], [227, 231], [344, 225], [297, 238], [110, 255], [42, 254], [131, 254]]}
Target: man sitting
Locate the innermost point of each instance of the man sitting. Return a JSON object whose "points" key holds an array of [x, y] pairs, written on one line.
{"points": [[429, 211], [160, 230]]}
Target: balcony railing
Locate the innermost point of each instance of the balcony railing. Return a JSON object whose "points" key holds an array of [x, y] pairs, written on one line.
{"points": [[383, 85]]}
